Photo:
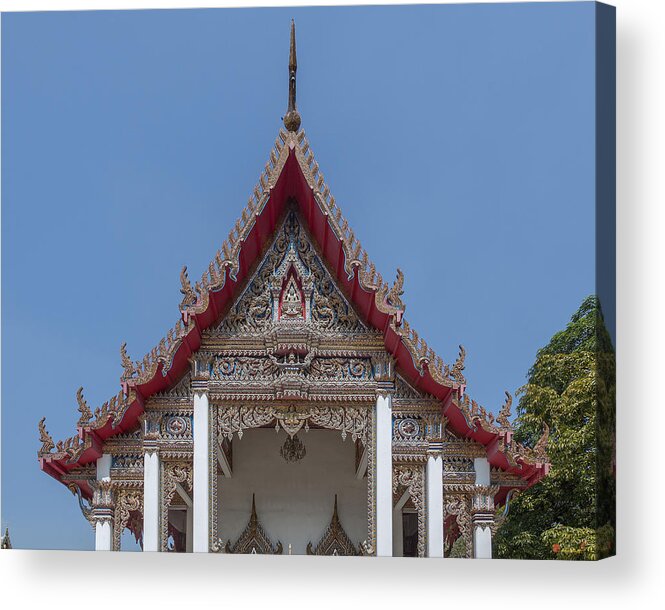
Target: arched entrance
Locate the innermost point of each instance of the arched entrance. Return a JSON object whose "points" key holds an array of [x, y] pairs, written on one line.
{"points": [[295, 461]]}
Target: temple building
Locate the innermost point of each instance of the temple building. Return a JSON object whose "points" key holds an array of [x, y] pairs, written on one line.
{"points": [[292, 408]]}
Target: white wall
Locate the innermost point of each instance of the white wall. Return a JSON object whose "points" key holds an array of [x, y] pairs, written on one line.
{"points": [[294, 502]]}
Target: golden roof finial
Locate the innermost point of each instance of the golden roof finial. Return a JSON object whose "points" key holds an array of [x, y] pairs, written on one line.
{"points": [[292, 117]]}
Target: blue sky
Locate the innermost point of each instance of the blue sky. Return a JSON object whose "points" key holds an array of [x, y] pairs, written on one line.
{"points": [[458, 141]]}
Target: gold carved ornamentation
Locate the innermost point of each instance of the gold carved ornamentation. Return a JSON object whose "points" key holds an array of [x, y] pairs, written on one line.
{"points": [[254, 539], [173, 473], [126, 362], [540, 449], [458, 367], [348, 420], [396, 292], [45, 438], [503, 418], [335, 540], [459, 506], [188, 294], [128, 501], [84, 409], [412, 478], [255, 310]]}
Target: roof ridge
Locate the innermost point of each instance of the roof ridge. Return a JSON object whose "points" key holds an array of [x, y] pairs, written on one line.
{"points": [[226, 262]]}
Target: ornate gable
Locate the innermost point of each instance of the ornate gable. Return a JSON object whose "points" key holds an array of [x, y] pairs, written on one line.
{"points": [[291, 286], [308, 297]]}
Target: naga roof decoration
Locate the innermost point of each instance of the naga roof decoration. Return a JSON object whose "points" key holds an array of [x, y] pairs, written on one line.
{"points": [[290, 175]]}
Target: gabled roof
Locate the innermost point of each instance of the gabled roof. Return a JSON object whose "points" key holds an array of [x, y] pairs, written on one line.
{"points": [[291, 174]]}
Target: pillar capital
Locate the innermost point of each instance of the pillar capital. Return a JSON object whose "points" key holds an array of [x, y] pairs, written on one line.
{"points": [[384, 368], [200, 388], [201, 364], [482, 502], [385, 390], [102, 495], [152, 422]]}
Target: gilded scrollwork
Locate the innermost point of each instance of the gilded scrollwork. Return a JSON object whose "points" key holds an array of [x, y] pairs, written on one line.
{"points": [[188, 293], [353, 421], [173, 473], [503, 418], [341, 369], [458, 505], [126, 464], [233, 419], [257, 308], [394, 297], [45, 438], [411, 477], [240, 368], [128, 501], [84, 408]]}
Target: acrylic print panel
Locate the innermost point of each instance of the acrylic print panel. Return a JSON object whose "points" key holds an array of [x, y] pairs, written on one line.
{"points": [[277, 395]]}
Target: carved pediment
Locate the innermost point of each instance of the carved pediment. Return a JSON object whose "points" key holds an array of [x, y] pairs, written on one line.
{"points": [[254, 540], [291, 286], [335, 540]]}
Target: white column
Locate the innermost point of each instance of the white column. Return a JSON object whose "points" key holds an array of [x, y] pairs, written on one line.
{"points": [[482, 534], [384, 475], [201, 493], [103, 535], [434, 505], [104, 524], [482, 542], [151, 500]]}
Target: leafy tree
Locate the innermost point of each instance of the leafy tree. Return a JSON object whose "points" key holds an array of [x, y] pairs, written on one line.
{"points": [[570, 514]]}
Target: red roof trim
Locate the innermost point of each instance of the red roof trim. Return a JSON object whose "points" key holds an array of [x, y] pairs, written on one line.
{"points": [[292, 183]]}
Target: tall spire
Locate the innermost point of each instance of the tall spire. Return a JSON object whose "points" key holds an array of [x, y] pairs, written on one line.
{"points": [[292, 118]]}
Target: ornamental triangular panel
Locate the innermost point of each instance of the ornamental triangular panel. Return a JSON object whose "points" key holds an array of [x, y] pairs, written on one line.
{"points": [[290, 287], [335, 541], [254, 540]]}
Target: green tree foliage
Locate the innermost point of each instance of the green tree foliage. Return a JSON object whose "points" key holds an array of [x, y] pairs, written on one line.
{"points": [[571, 388]]}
